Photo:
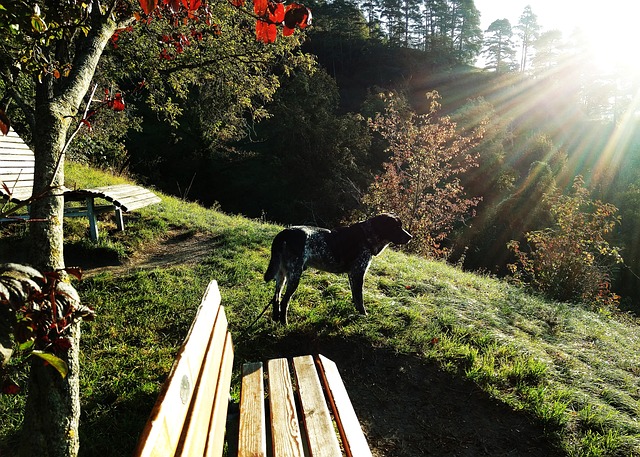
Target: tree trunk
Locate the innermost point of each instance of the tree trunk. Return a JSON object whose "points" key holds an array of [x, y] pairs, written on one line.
{"points": [[50, 426], [52, 413], [47, 211]]}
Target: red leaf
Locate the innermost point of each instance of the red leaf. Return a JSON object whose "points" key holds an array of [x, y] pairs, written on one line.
{"points": [[174, 5], [237, 3], [266, 32], [117, 103], [191, 5], [87, 123], [75, 272], [260, 7], [148, 6], [276, 12], [4, 123], [296, 14]]}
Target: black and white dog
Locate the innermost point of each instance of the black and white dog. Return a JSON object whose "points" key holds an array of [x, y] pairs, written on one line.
{"points": [[342, 250]]}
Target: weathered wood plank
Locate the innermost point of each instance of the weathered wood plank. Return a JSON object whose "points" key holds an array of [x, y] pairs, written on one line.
{"points": [[161, 435], [215, 441], [252, 440], [194, 438], [317, 420], [353, 439], [286, 437]]}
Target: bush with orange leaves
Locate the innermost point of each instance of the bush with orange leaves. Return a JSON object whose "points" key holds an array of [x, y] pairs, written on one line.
{"points": [[571, 261], [420, 182]]}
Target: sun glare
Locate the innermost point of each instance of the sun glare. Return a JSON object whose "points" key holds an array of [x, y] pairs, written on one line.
{"points": [[612, 33]]}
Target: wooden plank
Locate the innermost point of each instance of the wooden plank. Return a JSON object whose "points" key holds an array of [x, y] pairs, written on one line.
{"points": [[252, 441], [16, 163], [215, 441], [353, 439], [163, 429], [321, 435], [286, 437], [252, 433], [194, 437], [127, 196]]}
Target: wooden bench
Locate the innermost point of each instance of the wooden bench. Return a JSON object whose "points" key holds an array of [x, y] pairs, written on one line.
{"points": [[307, 411], [16, 185]]}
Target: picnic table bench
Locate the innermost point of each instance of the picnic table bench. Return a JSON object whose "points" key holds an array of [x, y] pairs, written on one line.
{"points": [[17, 164], [307, 411]]}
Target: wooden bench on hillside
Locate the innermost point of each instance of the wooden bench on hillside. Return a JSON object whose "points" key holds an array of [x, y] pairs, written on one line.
{"points": [[306, 401], [16, 185]]}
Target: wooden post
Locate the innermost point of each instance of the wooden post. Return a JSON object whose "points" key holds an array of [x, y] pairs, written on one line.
{"points": [[93, 220], [119, 219]]}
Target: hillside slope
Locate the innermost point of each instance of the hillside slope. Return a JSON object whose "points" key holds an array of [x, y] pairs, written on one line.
{"points": [[446, 362]]}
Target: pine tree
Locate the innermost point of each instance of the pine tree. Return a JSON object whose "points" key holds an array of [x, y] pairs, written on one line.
{"points": [[498, 46], [528, 32]]}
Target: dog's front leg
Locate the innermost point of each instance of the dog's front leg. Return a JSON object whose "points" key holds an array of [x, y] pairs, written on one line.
{"points": [[356, 281]]}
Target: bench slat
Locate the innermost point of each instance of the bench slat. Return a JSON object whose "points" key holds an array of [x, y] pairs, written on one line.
{"points": [[161, 435], [353, 439], [285, 431], [215, 442], [194, 437], [252, 440], [317, 420]]}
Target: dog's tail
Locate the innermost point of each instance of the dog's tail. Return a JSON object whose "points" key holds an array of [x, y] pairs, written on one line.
{"points": [[277, 249]]}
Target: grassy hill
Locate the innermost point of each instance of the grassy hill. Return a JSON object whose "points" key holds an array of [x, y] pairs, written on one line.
{"points": [[446, 362]]}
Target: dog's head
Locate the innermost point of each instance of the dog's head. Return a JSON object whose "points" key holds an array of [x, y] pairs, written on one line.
{"points": [[387, 228]]}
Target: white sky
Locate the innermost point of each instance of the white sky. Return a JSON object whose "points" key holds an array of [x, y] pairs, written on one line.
{"points": [[612, 25], [564, 15]]}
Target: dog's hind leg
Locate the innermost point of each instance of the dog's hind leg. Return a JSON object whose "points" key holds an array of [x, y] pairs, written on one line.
{"points": [[281, 281], [293, 279]]}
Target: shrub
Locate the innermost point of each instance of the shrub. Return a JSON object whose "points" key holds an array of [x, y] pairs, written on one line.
{"points": [[420, 180], [571, 261]]}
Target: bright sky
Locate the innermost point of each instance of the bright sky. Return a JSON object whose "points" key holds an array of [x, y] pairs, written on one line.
{"points": [[614, 25]]}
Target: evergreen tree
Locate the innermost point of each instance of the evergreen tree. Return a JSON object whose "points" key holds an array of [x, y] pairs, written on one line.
{"points": [[528, 32], [498, 46], [548, 49], [435, 13], [467, 33]]}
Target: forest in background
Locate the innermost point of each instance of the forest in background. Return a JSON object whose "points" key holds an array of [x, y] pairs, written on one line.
{"points": [[303, 153]]}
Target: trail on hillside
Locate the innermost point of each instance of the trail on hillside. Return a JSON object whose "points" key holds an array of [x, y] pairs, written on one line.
{"points": [[177, 248], [408, 407]]}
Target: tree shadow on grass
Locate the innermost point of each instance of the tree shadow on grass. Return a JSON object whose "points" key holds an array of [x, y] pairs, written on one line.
{"points": [[409, 407]]}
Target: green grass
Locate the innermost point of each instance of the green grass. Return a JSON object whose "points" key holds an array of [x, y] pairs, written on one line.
{"points": [[575, 371]]}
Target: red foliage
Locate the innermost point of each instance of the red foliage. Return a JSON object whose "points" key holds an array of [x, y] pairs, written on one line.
{"points": [[191, 5], [266, 32], [10, 388], [117, 104], [420, 182], [295, 14], [148, 6], [4, 123], [269, 14]]}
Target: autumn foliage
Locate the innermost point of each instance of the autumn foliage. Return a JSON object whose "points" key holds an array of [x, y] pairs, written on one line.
{"points": [[420, 182], [269, 14], [572, 260]]}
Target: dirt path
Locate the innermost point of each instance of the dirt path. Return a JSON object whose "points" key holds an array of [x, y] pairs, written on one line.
{"points": [[178, 248], [408, 407]]}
